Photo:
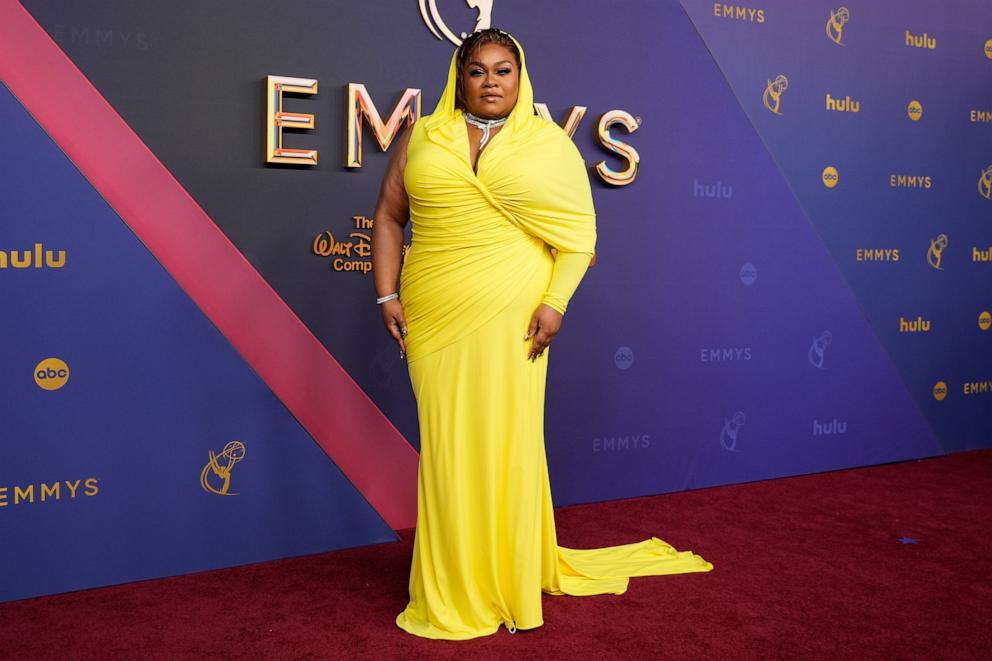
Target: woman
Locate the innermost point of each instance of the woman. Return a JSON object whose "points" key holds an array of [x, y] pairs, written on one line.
{"points": [[490, 188]]}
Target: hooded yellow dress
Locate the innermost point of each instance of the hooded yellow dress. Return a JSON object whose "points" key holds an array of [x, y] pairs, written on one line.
{"points": [[479, 265]]}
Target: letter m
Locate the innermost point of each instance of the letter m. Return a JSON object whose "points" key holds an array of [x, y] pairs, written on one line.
{"points": [[361, 108], [49, 491]]}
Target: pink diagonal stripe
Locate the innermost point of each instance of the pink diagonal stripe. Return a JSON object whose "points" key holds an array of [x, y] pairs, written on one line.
{"points": [[269, 336]]}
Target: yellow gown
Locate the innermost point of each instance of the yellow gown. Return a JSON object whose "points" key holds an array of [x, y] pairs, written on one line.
{"points": [[479, 265]]}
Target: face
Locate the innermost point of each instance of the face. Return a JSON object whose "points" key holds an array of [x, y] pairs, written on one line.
{"points": [[489, 82]]}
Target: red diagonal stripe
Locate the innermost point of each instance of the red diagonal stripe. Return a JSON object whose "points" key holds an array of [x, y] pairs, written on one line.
{"points": [[269, 336]]}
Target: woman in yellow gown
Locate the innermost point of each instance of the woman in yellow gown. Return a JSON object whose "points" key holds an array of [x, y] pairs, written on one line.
{"points": [[490, 187]]}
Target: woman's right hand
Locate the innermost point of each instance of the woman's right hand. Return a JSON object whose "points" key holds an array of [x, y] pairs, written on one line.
{"points": [[392, 316]]}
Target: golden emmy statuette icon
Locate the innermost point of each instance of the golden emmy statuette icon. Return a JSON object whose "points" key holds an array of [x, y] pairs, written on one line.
{"points": [[985, 183], [219, 467], [772, 98], [936, 251], [835, 25]]}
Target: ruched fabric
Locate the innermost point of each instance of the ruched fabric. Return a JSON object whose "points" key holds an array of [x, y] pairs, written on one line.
{"points": [[479, 265]]}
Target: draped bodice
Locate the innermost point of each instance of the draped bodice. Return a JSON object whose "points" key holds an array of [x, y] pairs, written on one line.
{"points": [[480, 240], [468, 260]]}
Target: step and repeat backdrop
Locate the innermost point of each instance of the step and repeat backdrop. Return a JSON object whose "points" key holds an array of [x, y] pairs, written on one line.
{"points": [[794, 268]]}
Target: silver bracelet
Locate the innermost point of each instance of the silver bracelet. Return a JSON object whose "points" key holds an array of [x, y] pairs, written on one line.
{"points": [[387, 297]]}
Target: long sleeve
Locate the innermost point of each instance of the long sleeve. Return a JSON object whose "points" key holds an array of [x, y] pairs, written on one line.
{"points": [[568, 271]]}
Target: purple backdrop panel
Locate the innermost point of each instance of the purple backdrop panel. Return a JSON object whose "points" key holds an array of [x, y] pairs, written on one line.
{"points": [[896, 104], [107, 476], [721, 341]]}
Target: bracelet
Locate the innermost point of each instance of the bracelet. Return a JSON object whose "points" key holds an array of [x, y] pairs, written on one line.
{"points": [[387, 297]]}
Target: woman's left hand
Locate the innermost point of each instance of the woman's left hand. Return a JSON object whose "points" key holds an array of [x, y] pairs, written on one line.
{"points": [[544, 325]]}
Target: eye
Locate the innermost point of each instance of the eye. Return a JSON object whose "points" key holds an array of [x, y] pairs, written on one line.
{"points": [[476, 72], [504, 71]]}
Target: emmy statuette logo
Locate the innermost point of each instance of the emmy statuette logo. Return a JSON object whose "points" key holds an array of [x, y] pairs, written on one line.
{"points": [[772, 97], [985, 183], [216, 474], [731, 427], [835, 25], [936, 252], [818, 350], [437, 26]]}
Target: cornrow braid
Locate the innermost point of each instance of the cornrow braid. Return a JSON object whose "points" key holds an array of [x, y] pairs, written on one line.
{"points": [[470, 47]]}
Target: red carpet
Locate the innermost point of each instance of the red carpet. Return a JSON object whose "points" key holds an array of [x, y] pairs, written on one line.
{"points": [[889, 562]]}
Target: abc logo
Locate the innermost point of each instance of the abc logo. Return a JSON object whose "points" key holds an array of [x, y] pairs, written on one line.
{"points": [[830, 176], [914, 110], [748, 274], [988, 49], [939, 391], [985, 320], [623, 358], [51, 374]]}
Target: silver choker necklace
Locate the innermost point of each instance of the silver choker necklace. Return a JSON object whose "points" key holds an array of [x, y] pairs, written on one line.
{"points": [[484, 124]]}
